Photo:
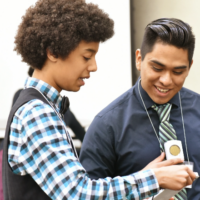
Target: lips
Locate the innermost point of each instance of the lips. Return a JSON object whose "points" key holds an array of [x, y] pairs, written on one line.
{"points": [[82, 82], [162, 90], [82, 78], [86, 77]]}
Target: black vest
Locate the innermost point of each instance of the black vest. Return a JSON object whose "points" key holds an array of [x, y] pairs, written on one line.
{"points": [[16, 187]]}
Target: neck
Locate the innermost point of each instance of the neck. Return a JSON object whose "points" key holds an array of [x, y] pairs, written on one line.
{"points": [[45, 75]]}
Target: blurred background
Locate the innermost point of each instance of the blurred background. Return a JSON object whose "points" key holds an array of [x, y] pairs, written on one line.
{"points": [[115, 59]]}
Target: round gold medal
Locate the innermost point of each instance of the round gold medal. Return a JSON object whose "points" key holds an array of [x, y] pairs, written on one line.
{"points": [[174, 150]]}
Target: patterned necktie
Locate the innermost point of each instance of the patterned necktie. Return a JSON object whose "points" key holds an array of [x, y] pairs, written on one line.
{"points": [[167, 132]]}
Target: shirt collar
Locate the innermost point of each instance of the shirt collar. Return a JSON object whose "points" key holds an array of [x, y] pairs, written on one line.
{"points": [[147, 100], [50, 92]]}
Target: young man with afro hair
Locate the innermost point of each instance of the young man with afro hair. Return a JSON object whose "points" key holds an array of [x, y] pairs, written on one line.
{"points": [[59, 39]]}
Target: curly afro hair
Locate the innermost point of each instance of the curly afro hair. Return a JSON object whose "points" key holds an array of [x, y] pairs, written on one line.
{"points": [[59, 26]]}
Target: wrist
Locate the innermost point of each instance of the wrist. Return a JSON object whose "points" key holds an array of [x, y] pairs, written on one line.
{"points": [[159, 176]]}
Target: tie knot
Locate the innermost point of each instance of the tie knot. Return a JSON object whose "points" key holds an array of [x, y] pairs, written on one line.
{"points": [[163, 111]]}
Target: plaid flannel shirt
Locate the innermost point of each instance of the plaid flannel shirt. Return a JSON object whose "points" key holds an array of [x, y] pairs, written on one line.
{"points": [[39, 147]]}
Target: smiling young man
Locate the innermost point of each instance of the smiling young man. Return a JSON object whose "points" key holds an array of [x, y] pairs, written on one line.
{"points": [[59, 39], [131, 131]]}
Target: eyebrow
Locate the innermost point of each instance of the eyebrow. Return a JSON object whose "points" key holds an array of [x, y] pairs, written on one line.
{"points": [[162, 65], [90, 50]]}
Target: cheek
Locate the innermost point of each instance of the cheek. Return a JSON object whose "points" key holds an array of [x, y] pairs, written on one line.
{"points": [[179, 81], [149, 76]]}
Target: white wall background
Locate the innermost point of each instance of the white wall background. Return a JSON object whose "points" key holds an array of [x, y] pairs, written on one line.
{"points": [[12, 70], [113, 59], [186, 10]]}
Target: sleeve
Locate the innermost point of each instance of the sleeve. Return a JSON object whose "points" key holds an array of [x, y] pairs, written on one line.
{"points": [[47, 157], [98, 155]]}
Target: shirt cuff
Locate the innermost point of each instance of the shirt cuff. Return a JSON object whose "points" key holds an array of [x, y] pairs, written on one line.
{"points": [[147, 183]]}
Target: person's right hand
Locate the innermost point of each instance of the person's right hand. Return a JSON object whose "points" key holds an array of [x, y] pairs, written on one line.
{"points": [[170, 175], [174, 177]]}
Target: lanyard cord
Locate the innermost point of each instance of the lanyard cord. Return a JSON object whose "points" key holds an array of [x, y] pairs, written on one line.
{"points": [[183, 127], [152, 122], [68, 136], [148, 114]]}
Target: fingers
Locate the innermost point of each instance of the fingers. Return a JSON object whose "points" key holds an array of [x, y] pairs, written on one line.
{"points": [[174, 177], [187, 176], [191, 174], [159, 158], [170, 162], [153, 164], [189, 181]]}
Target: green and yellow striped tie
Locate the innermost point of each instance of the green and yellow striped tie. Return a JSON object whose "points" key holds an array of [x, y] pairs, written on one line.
{"points": [[166, 133]]}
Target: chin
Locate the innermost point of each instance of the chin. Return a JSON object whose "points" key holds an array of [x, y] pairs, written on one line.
{"points": [[72, 89], [75, 89], [161, 101]]}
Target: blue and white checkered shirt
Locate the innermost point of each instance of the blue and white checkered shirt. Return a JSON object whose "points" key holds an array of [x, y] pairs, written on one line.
{"points": [[38, 147]]}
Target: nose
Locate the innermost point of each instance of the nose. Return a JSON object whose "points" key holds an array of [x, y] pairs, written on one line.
{"points": [[93, 66], [166, 79]]}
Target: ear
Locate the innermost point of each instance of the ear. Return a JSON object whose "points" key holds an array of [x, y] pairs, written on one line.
{"points": [[138, 59], [50, 56]]}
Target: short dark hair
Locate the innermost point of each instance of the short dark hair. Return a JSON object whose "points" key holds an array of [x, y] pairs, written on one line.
{"points": [[59, 26], [170, 31]]}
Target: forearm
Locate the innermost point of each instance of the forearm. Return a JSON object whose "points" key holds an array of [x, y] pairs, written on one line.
{"points": [[79, 186], [72, 179], [136, 186], [60, 175]]}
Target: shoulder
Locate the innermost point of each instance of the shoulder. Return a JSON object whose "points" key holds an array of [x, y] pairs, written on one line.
{"points": [[35, 106], [186, 93], [118, 104], [36, 119]]}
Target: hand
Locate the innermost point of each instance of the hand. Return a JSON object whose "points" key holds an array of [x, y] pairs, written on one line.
{"points": [[158, 162], [174, 177], [170, 175]]}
